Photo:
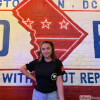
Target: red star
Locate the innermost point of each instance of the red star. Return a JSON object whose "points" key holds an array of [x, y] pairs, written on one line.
{"points": [[63, 24], [46, 24], [28, 23]]}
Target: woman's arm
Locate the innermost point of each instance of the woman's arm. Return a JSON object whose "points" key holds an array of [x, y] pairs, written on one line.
{"points": [[60, 88], [23, 69]]}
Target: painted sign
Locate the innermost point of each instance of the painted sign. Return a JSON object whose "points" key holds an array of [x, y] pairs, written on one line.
{"points": [[74, 28], [54, 25]]}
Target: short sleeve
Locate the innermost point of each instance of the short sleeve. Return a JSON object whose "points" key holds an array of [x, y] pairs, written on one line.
{"points": [[59, 68], [32, 65]]}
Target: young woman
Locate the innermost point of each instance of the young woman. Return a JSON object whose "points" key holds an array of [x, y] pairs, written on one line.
{"points": [[49, 84]]}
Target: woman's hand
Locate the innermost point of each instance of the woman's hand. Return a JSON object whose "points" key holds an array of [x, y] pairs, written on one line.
{"points": [[23, 69]]}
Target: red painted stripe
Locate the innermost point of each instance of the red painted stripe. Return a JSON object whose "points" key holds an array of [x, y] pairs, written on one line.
{"points": [[81, 69], [5, 10], [64, 69], [67, 10], [83, 10], [8, 69]]}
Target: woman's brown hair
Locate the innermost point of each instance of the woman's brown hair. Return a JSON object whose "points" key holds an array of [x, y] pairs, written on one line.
{"points": [[53, 55]]}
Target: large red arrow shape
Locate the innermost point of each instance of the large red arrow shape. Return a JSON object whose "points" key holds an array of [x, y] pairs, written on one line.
{"points": [[45, 21]]}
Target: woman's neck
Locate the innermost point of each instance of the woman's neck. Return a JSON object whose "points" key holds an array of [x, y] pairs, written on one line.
{"points": [[48, 59]]}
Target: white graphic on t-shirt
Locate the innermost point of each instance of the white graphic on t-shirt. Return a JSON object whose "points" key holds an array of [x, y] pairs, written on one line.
{"points": [[54, 76]]}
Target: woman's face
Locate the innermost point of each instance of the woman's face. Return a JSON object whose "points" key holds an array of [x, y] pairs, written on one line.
{"points": [[46, 50]]}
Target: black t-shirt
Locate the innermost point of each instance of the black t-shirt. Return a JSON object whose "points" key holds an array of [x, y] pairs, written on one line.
{"points": [[46, 74]]}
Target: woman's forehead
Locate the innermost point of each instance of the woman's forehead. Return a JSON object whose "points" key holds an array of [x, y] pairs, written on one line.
{"points": [[45, 45]]}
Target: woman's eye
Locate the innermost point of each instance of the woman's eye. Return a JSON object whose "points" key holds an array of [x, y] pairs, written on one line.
{"points": [[48, 48], [43, 48]]}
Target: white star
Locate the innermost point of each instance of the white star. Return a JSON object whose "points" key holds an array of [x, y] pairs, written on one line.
{"points": [[46, 24], [28, 22], [63, 24]]}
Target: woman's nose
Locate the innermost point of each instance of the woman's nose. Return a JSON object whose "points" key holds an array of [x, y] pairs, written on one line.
{"points": [[46, 50]]}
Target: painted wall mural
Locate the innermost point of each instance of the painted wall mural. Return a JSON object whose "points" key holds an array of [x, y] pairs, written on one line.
{"points": [[74, 28], [46, 21]]}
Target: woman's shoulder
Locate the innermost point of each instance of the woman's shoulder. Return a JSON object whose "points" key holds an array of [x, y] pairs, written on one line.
{"points": [[35, 61], [57, 60]]}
